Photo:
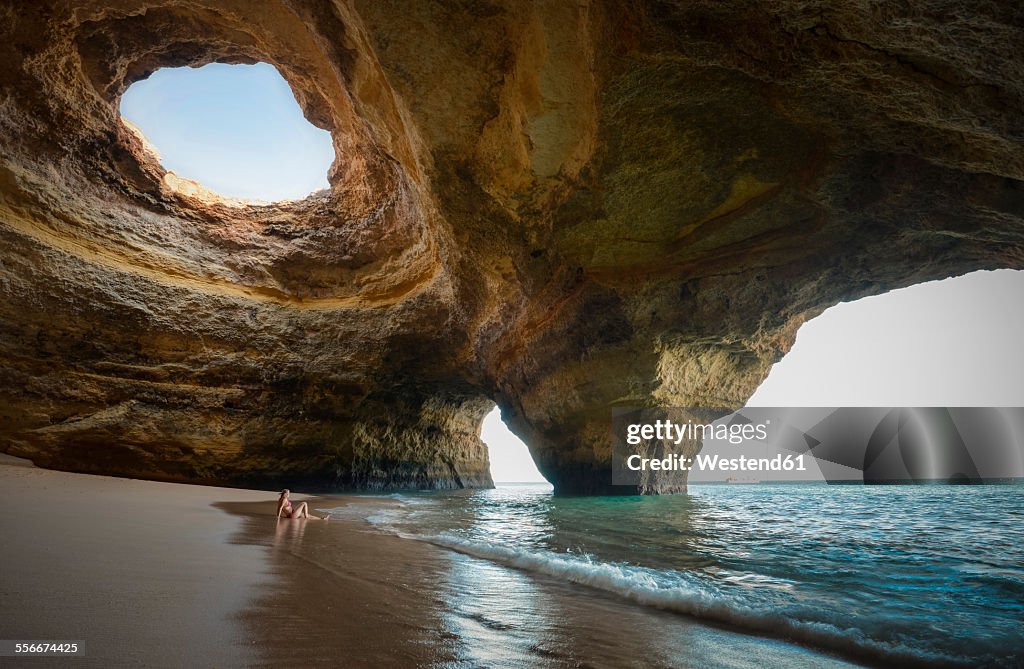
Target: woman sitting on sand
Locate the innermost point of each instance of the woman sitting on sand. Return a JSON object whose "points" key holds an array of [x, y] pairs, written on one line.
{"points": [[284, 508]]}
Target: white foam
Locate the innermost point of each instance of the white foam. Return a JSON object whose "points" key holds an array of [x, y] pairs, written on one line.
{"points": [[648, 587]]}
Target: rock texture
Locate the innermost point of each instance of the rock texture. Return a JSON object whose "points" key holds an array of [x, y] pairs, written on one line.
{"points": [[559, 207]]}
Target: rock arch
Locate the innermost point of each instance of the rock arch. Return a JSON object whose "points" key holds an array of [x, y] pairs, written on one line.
{"points": [[563, 208]]}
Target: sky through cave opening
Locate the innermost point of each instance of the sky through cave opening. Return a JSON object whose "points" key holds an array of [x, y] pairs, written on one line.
{"points": [[948, 343], [235, 129]]}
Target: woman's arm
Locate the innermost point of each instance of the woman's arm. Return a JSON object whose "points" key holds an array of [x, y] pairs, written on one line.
{"points": [[280, 505]]}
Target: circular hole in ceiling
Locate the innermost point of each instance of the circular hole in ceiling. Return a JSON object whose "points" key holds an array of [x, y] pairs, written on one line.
{"points": [[235, 130]]}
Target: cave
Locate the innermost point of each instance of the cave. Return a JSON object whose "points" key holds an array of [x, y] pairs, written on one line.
{"points": [[559, 208]]}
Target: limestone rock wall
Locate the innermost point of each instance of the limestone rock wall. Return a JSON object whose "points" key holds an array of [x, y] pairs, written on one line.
{"points": [[558, 207]]}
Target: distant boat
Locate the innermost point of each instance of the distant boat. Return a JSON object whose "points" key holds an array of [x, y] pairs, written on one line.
{"points": [[742, 480]]}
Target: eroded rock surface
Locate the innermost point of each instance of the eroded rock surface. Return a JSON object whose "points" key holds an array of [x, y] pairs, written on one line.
{"points": [[560, 207]]}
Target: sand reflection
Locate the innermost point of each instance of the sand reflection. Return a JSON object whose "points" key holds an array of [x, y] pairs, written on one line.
{"points": [[289, 532]]}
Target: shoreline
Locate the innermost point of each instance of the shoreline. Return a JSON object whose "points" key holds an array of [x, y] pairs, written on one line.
{"points": [[146, 573]]}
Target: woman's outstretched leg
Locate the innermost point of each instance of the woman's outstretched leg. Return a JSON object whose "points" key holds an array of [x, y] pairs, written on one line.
{"points": [[302, 511]]}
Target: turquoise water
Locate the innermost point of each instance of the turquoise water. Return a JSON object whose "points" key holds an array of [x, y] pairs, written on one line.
{"points": [[926, 575]]}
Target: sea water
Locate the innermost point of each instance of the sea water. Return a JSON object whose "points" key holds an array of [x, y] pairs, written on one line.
{"points": [[926, 574]]}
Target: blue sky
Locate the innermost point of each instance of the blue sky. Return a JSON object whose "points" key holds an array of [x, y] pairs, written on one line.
{"points": [[238, 130]]}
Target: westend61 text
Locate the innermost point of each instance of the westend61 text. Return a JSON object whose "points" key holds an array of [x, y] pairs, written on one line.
{"points": [[709, 463]]}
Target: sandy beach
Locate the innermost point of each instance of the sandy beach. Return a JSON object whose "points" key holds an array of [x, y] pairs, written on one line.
{"points": [[152, 574]]}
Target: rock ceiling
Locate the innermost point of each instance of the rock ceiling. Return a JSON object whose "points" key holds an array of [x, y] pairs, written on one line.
{"points": [[558, 207]]}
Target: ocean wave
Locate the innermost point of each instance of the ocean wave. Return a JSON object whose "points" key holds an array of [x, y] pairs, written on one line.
{"points": [[647, 587]]}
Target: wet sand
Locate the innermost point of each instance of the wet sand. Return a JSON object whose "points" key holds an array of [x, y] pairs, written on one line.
{"points": [[166, 575]]}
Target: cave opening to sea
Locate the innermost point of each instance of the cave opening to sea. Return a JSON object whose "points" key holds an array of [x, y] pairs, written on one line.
{"points": [[510, 458], [235, 130], [948, 343]]}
